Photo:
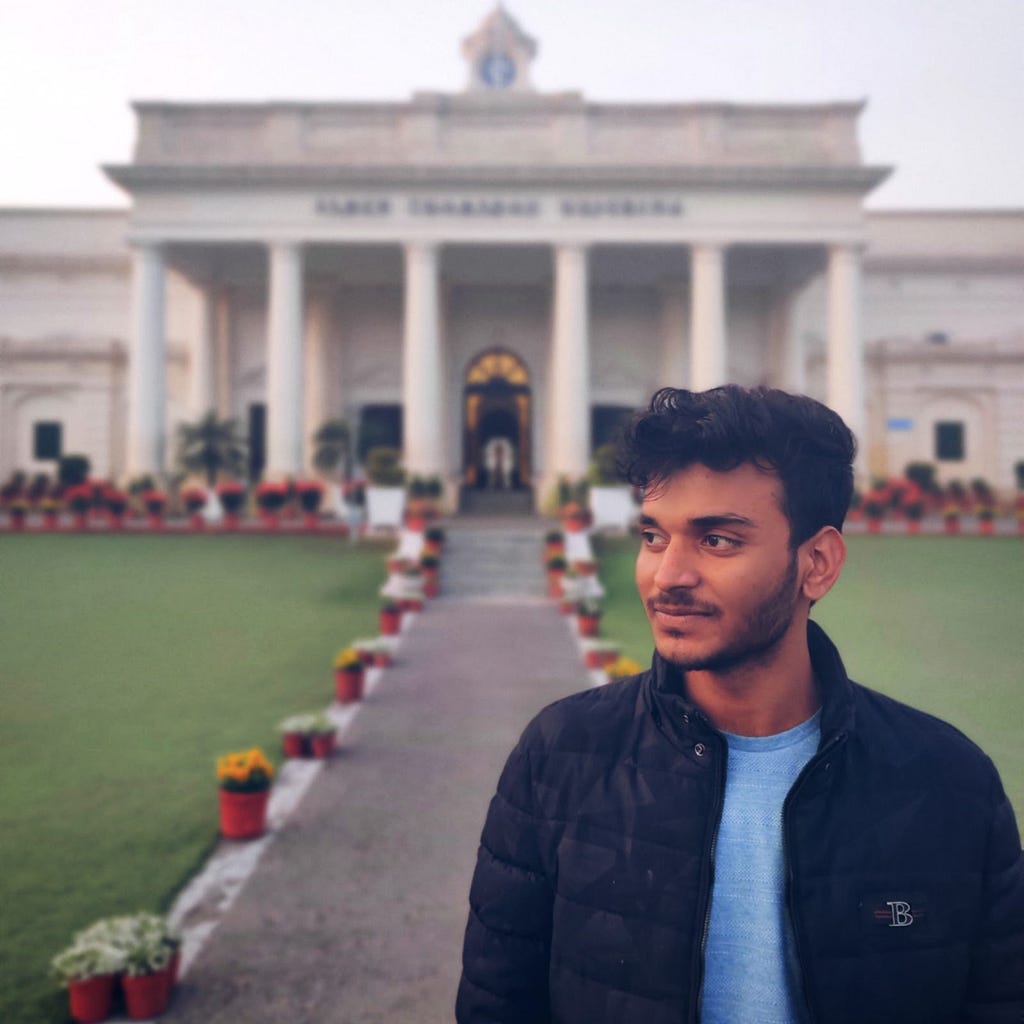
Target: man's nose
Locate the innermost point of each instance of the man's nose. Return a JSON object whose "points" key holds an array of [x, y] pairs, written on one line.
{"points": [[677, 568]]}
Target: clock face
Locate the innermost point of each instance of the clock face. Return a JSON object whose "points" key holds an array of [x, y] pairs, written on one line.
{"points": [[497, 70]]}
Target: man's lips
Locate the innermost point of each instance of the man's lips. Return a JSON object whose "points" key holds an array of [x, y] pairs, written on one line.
{"points": [[676, 610]]}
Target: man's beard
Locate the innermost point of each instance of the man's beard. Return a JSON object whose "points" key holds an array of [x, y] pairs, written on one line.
{"points": [[758, 636]]}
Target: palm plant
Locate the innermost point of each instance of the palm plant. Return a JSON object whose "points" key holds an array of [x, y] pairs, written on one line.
{"points": [[332, 446], [211, 446]]}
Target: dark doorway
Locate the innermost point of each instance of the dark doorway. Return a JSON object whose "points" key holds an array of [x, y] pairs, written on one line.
{"points": [[496, 434], [257, 439]]}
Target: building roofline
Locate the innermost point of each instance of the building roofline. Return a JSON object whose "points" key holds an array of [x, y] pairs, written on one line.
{"points": [[512, 100], [861, 178], [64, 211]]}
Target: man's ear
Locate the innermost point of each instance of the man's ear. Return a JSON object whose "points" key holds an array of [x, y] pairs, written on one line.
{"points": [[821, 559]]}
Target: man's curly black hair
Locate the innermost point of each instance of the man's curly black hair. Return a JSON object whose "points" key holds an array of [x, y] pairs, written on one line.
{"points": [[804, 442]]}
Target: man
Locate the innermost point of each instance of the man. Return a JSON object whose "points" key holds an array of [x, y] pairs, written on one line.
{"points": [[741, 834]]}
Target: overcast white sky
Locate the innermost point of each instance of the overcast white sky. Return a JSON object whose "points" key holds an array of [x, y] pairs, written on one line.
{"points": [[944, 79]]}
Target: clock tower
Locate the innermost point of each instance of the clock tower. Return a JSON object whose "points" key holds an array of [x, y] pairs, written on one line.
{"points": [[499, 55]]}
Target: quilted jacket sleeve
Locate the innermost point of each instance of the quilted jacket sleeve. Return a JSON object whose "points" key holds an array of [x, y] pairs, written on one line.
{"points": [[508, 937], [996, 986]]}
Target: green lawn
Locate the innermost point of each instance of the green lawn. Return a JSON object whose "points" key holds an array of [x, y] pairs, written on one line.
{"points": [[127, 665], [936, 622]]}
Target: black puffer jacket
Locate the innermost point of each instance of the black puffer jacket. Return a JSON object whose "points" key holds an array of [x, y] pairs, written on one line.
{"points": [[589, 902]]}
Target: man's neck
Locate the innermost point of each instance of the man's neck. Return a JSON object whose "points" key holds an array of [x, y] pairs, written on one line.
{"points": [[761, 699]]}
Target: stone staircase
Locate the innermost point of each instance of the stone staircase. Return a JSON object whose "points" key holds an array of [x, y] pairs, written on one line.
{"points": [[494, 558], [496, 503]]}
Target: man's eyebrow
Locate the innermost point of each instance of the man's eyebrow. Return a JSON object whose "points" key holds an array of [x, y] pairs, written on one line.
{"points": [[706, 522], [722, 519]]}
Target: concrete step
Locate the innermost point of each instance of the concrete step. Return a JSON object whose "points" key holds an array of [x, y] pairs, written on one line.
{"points": [[494, 563], [497, 503]]}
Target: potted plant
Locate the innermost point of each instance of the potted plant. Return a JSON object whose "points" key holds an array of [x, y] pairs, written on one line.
{"points": [[232, 499], [117, 504], [311, 493], [244, 779], [556, 566], [271, 497], [156, 504], [385, 495], [79, 500], [874, 510], [599, 653], [149, 975], [348, 676], [554, 543], [986, 519], [588, 617], [913, 509], [50, 508], [433, 540], [307, 735], [88, 968], [431, 568], [18, 510], [194, 499], [575, 517], [390, 618], [951, 518], [621, 668]]}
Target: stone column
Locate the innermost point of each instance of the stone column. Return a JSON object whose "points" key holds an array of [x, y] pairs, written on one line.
{"points": [[845, 347], [284, 362], [675, 335], [707, 317], [421, 363], [316, 374], [569, 417], [203, 368], [147, 369]]}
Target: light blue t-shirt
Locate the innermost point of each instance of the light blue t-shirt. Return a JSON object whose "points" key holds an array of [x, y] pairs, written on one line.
{"points": [[749, 962]]}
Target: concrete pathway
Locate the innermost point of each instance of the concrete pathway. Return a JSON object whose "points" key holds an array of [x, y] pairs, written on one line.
{"points": [[356, 910]]}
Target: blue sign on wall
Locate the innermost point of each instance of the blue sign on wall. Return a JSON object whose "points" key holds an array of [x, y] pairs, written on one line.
{"points": [[899, 423]]}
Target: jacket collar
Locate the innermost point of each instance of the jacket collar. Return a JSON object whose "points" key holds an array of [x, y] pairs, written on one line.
{"points": [[667, 699]]}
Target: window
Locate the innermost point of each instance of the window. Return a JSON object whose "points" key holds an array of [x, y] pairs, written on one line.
{"points": [[607, 423], [379, 425], [949, 441], [46, 442], [257, 439]]}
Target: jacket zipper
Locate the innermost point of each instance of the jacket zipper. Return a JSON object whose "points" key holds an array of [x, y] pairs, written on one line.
{"points": [[698, 987], [794, 921]]}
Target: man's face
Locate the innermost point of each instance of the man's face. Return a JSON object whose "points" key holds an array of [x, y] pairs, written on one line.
{"points": [[715, 571]]}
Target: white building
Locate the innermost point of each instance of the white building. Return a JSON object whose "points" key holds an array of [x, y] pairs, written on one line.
{"points": [[501, 262]]}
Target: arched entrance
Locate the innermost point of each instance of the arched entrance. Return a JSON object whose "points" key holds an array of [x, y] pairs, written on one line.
{"points": [[496, 422]]}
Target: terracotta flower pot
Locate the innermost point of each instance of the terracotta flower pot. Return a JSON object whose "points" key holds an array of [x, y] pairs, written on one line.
{"points": [[913, 526], [146, 995], [431, 582], [986, 527], [81, 521], [196, 522], [555, 582], [310, 520], [411, 604], [232, 520], [271, 520], [243, 815], [382, 659], [415, 523], [390, 622], [293, 744], [348, 685], [172, 970], [874, 524], [89, 1000], [323, 744], [589, 625], [568, 607], [50, 520], [952, 526], [156, 521]]}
